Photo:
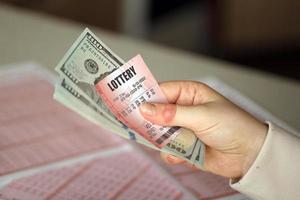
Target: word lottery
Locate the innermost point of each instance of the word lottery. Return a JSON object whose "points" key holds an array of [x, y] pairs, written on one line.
{"points": [[122, 78]]}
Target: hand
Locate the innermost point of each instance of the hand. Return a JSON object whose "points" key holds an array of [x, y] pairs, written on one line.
{"points": [[233, 138]]}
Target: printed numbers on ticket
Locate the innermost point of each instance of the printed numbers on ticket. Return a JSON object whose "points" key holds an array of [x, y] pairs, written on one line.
{"points": [[125, 89]]}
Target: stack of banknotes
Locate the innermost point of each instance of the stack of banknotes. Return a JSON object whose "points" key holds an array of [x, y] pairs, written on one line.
{"points": [[85, 64]]}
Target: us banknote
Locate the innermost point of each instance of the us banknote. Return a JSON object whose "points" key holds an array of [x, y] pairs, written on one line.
{"points": [[66, 95], [87, 62]]}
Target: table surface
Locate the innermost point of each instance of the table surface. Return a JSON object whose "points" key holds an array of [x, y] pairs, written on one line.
{"points": [[27, 36]]}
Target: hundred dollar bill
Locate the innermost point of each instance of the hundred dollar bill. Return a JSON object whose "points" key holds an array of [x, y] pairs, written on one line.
{"points": [[66, 95], [88, 61]]}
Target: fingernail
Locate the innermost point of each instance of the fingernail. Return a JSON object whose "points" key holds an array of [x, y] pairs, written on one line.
{"points": [[170, 159], [148, 109]]}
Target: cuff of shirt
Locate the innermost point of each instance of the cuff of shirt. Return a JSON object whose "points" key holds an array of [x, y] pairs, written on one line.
{"points": [[269, 168]]}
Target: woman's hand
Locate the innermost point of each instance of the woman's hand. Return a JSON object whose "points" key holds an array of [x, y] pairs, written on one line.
{"points": [[233, 138]]}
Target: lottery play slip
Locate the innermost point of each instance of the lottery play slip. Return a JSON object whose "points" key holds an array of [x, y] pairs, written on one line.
{"points": [[49, 152]]}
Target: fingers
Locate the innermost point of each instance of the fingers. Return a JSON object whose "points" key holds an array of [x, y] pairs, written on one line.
{"points": [[170, 159], [174, 115], [188, 92], [173, 160], [187, 108]]}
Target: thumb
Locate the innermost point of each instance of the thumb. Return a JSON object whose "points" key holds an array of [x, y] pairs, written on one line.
{"points": [[173, 114]]}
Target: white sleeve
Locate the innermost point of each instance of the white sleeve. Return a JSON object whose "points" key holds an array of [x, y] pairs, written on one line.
{"points": [[275, 174]]}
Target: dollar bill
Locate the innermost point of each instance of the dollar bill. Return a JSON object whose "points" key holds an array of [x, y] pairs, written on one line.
{"points": [[87, 62], [66, 95]]}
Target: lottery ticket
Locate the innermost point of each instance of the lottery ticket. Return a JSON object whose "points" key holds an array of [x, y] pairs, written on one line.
{"points": [[125, 89]]}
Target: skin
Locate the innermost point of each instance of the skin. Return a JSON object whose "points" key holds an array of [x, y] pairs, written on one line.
{"points": [[232, 136]]}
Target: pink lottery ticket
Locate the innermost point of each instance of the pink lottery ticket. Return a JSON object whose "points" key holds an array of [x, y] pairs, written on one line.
{"points": [[125, 89]]}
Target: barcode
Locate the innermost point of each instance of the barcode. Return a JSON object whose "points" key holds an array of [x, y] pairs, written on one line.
{"points": [[165, 136]]}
